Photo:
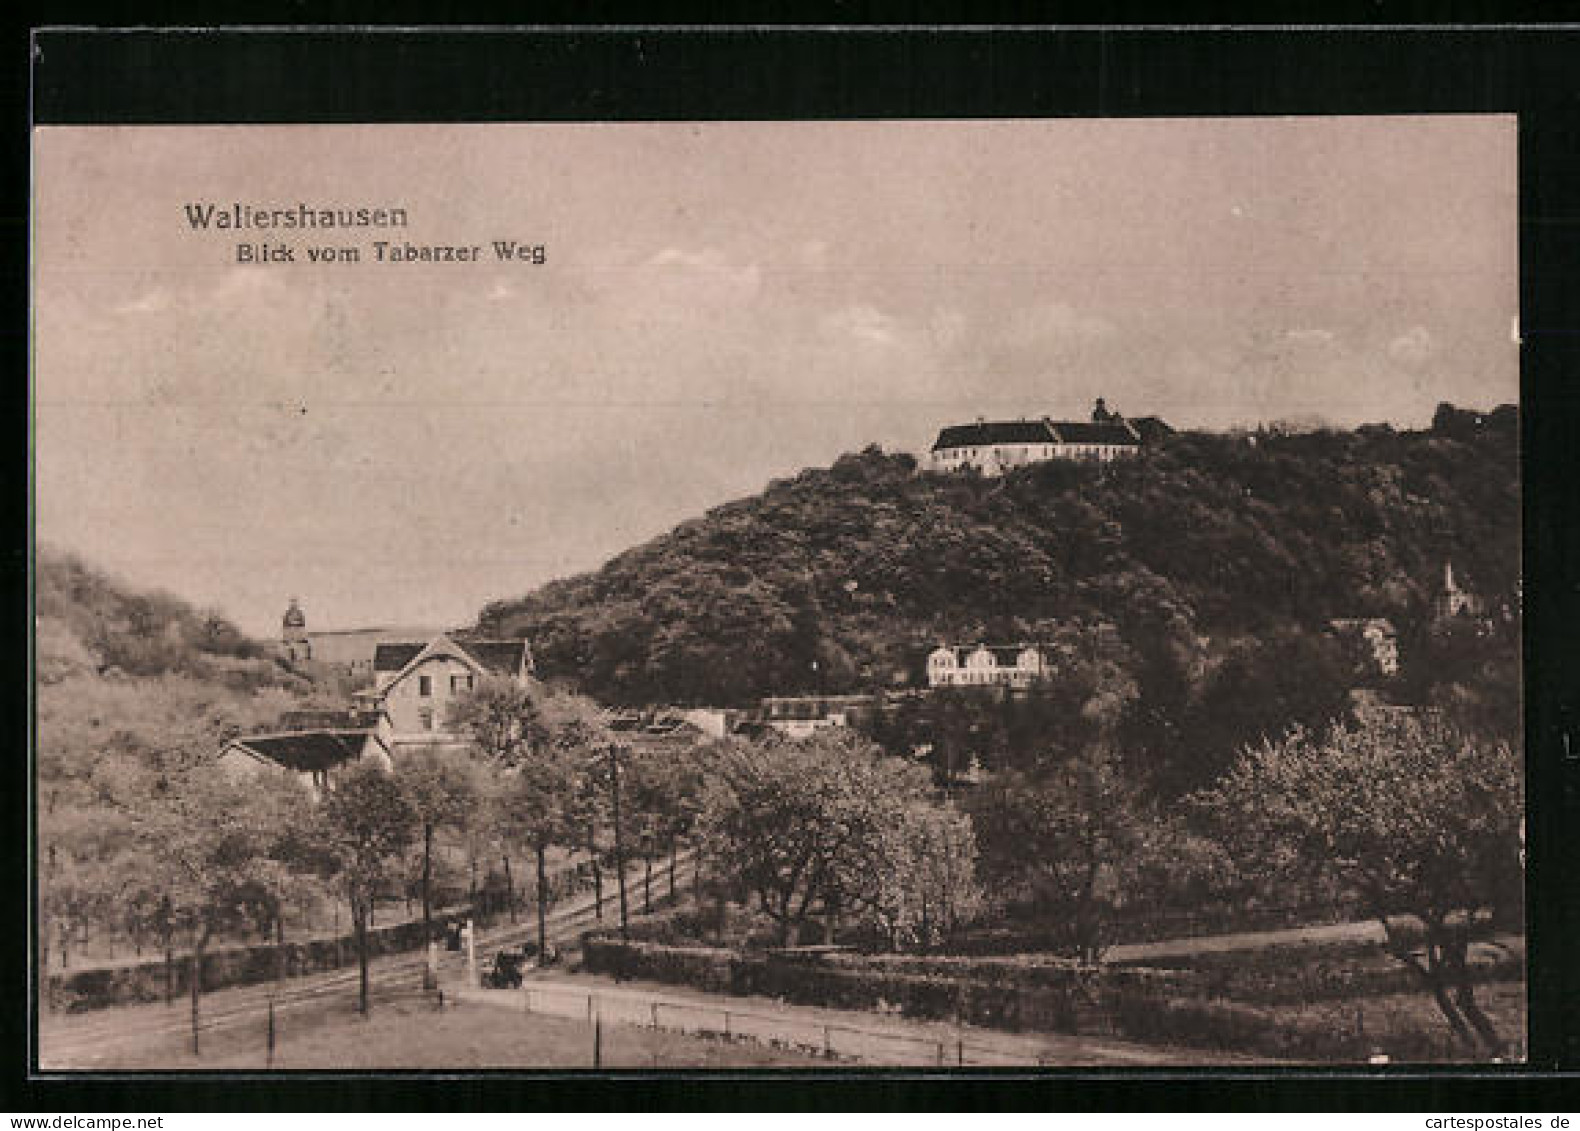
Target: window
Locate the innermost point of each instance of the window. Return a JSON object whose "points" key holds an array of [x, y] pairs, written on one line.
{"points": [[460, 683], [425, 718], [425, 685]]}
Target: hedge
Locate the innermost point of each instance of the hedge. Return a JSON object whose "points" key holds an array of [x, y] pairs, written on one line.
{"points": [[1049, 996], [83, 990], [1031, 993]]}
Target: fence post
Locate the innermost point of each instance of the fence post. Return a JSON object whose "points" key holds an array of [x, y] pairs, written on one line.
{"points": [[655, 1015], [526, 999], [268, 1059], [940, 1054], [726, 1022], [960, 1051], [589, 1007], [598, 1041], [828, 1043]]}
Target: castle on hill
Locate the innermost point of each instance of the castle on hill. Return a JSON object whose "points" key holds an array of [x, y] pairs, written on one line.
{"points": [[993, 447]]}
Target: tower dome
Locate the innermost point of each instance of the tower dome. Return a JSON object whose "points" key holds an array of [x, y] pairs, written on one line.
{"points": [[293, 633]]}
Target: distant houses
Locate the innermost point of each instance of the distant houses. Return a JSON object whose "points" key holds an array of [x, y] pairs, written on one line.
{"points": [[414, 684], [994, 447]]}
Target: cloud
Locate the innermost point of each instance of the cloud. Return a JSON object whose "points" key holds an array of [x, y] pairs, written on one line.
{"points": [[1414, 347], [151, 303], [865, 324], [709, 263]]}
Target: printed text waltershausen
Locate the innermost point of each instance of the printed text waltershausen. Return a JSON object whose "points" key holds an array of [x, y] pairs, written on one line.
{"points": [[306, 216]]}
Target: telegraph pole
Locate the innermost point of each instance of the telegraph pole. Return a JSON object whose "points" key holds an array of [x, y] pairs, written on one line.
{"points": [[619, 834]]}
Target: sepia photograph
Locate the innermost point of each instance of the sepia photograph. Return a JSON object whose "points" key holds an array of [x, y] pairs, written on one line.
{"points": [[778, 595]]}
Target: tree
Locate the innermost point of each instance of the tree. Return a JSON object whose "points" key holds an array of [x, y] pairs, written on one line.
{"points": [[1071, 840], [218, 847], [366, 822], [1414, 818], [534, 799], [501, 718], [809, 827], [928, 890], [441, 792], [542, 744]]}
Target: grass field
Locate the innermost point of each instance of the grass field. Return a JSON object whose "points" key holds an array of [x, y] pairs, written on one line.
{"points": [[415, 1035], [1401, 1021]]}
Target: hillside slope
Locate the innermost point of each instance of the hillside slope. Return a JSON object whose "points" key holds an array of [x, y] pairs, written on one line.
{"points": [[841, 579]]}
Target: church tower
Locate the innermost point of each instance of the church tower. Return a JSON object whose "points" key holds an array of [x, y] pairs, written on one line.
{"points": [[293, 633]]}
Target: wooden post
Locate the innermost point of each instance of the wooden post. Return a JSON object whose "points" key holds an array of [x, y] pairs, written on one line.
{"points": [[268, 1060], [619, 838], [655, 1015], [598, 1041]]}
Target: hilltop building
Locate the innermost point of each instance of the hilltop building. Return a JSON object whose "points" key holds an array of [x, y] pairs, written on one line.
{"points": [[1011, 665], [1452, 602], [993, 447]]}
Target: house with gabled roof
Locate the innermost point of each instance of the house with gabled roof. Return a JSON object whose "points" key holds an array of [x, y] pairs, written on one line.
{"points": [[415, 683]]}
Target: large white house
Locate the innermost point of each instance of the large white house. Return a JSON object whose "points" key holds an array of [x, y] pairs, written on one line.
{"points": [[415, 683], [994, 447], [1013, 665]]}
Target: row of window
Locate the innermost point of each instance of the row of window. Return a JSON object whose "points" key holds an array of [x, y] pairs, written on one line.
{"points": [[458, 684], [1008, 675], [1101, 451]]}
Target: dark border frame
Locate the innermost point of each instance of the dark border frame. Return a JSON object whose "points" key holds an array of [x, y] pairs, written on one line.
{"points": [[673, 72]]}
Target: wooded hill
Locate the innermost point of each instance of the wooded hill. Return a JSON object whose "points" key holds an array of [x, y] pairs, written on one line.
{"points": [[1213, 555]]}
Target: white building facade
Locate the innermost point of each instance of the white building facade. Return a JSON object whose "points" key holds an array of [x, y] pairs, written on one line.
{"points": [[982, 665]]}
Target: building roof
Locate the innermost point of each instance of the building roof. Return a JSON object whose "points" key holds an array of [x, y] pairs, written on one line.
{"points": [[500, 657], [984, 433], [1078, 432], [341, 718], [394, 657], [1005, 655], [987, 433], [308, 751]]}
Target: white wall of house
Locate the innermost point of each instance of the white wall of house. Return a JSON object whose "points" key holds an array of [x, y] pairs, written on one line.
{"points": [[418, 703], [993, 459], [982, 668]]}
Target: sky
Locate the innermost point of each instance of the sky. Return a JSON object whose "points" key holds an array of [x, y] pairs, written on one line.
{"points": [[720, 305]]}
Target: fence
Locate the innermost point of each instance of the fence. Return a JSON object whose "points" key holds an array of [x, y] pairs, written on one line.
{"points": [[833, 1040]]}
